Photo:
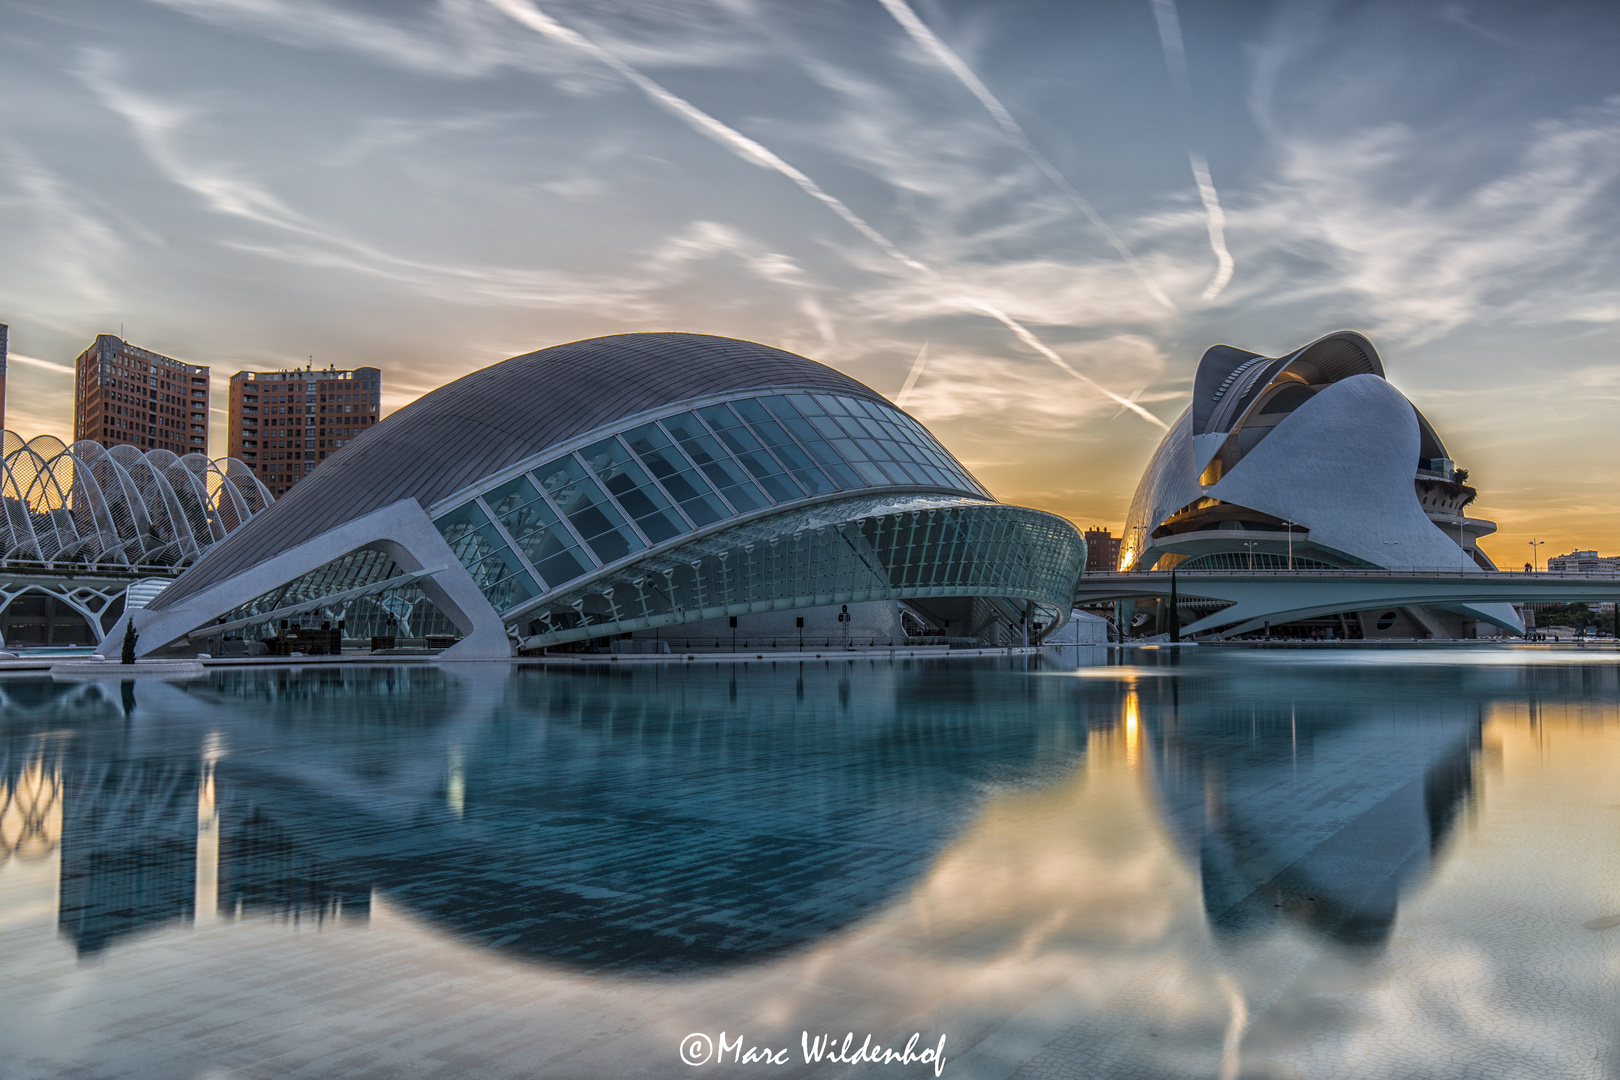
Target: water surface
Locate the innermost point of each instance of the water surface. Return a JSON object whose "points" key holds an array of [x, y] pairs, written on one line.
{"points": [[1221, 862]]}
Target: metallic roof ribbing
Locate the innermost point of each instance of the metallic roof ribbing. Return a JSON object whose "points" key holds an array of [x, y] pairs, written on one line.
{"points": [[500, 415]]}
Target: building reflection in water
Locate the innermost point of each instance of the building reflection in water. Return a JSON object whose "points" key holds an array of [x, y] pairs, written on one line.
{"points": [[1308, 807], [656, 819], [672, 818]]}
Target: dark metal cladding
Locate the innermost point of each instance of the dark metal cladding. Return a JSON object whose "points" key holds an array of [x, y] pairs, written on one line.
{"points": [[500, 415]]}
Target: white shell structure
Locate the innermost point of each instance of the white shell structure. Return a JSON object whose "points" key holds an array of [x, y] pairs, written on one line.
{"points": [[91, 506], [1309, 460]]}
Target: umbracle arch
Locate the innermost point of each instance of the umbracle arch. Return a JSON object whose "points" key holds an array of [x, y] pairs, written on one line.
{"points": [[19, 528], [192, 494], [225, 503], [255, 495], [118, 506]]}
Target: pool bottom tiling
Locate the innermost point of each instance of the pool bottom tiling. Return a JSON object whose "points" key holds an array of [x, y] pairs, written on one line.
{"points": [[1207, 863]]}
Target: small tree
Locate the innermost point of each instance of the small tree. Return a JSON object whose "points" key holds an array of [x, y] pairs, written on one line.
{"points": [[128, 654]]}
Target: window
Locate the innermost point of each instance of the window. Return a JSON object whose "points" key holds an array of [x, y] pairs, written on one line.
{"points": [[636, 494], [741, 442], [588, 509], [483, 551], [539, 535], [716, 464], [684, 484]]}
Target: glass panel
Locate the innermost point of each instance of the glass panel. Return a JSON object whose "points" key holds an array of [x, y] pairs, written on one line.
{"points": [[636, 493], [588, 509], [677, 475], [814, 480], [831, 406], [915, 472], [770, 433], [754, 457], [867, 407], [719, 417], [752, 411], [843, 475], [812, 442], [483, 551], [870, 473], [716, 464], [804, 403], [790, 455], [892, 470], [543, 539], [468, 532]]}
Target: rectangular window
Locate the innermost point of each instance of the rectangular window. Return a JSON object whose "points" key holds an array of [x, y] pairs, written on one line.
{"points": [[804, 404], [637, 495], [588, 509], [831, 405], [534, 526], [679, 478]]}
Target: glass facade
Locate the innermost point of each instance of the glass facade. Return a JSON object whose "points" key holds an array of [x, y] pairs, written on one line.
{"points": [[685, 471], [951, 550], [404, 610], [483, 550]]}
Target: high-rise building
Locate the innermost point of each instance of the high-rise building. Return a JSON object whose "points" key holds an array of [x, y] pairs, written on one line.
{"points": [[284, 423], [4, 331], [1102, 551], [124, 394]]}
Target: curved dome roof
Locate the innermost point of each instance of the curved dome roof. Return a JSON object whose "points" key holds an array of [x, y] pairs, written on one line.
{"points": [[500, 415]]}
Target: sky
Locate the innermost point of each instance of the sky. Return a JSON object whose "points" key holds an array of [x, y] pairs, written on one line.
{"points": [[1036, 213]]}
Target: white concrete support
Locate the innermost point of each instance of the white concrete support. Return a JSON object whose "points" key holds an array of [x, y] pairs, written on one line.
{"points": [[402, 530]]}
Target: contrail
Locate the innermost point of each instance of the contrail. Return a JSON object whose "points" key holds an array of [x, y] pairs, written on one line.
{"points": [[933, 46], [917, 366], [526, 13], [1175, 58]]}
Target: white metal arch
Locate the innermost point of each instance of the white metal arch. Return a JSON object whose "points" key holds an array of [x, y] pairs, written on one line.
{"points": [[87, 504]]}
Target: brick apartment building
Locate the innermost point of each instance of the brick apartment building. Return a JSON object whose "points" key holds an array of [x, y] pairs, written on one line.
{"points": [[284, 423], [1102, 551], [125, 394]]}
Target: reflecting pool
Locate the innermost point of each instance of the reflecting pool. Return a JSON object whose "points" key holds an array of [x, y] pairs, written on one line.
{"points": [[1206, 863]]}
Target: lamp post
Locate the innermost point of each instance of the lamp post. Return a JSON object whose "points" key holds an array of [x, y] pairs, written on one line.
{"points": [[1251, 545], [1535, 564], [1290, 525]]}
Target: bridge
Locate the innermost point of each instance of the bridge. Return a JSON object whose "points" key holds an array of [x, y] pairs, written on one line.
{"points": [[1255, 598]]}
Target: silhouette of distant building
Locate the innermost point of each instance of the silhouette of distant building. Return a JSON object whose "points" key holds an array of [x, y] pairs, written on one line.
{"points": [[1102, 551]]}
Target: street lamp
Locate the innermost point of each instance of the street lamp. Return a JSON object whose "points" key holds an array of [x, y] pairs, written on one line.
{"points": [[1290, 548], [1535, 564], [1251, 544]]}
